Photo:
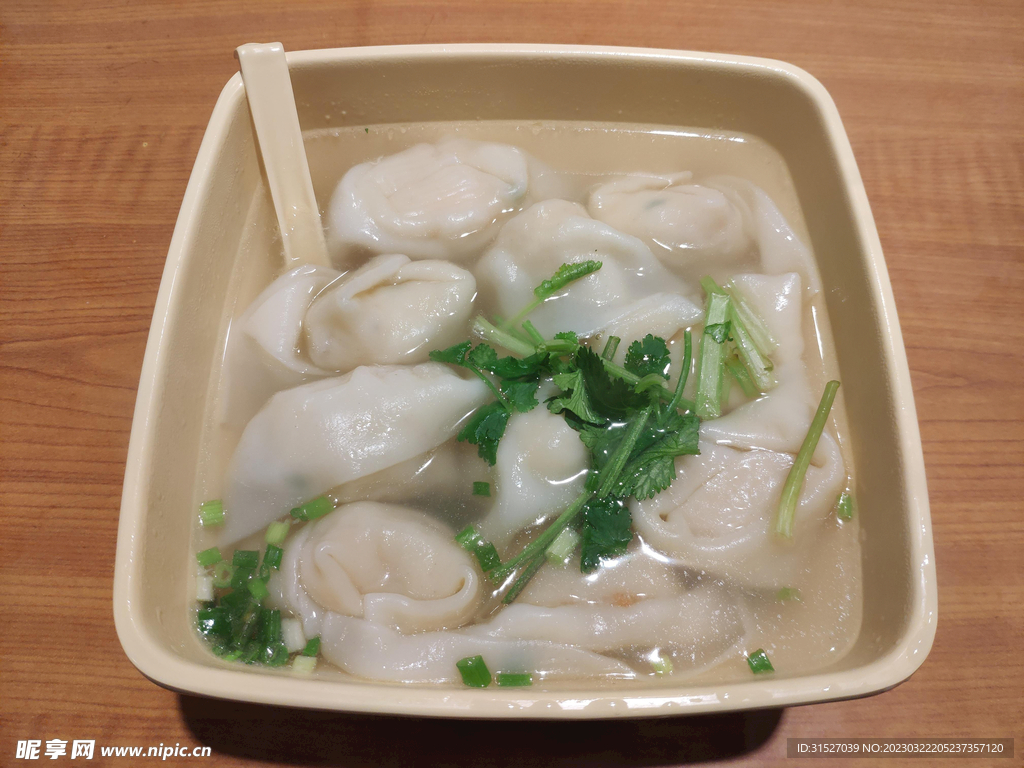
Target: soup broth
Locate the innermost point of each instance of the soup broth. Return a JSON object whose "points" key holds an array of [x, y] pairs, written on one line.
{"points": [[810, 625]]}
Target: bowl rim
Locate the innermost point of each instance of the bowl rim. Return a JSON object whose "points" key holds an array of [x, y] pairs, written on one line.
{"points": [[166, 668]]}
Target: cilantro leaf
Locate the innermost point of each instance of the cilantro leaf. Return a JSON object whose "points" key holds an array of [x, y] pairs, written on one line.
{"points": [[485, 428], [455, 355], [516, 368], [651, 467], [610, 397], [720, 332], [648, 356], [483, 357], [607, 531], [567, 336], [522, 394], [576, 401], [648, 479], [566, 274]]}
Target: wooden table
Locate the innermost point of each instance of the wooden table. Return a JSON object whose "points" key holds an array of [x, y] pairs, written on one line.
{"points": [[102, 107]]}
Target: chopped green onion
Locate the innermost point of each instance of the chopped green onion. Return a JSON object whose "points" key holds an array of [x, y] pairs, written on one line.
{"points": [[251, 652], [844, 506], [245, 558], [759, 662], [712, 358], [314, 509], [481, 489], [610, 346], [292, 635], [226, 652], [222, 574], [274, 654], [562, 547], [513, 679], [211, 513], [662, 665], [312, 647], [485, 553], [204, 588], [258, 588], [209, 556], [304, 664], [795, 480], [272, 557], [787, 594], [214, 622], [241, 577], [474, 672], [277, 532], [270, 625]]}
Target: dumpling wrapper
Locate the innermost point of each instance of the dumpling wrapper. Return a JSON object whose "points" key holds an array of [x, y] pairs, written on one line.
{"points": [[719, 513], [263, 354], [534, 244], [701, 624], [636, 576], [391, 310], [780, 249], [541, 467], [718, 516], [386, 563], [376, 652], [695, 226], [431, 201], [307, 440]]}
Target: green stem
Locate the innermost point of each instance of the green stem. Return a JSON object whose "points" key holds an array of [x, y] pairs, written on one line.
{"points": [[610, 474], [504, 339], [712, 359], [542, 542], [497, 392], [533, 333], [522, 314], [632, 378], [795, 480], [684, 373], [524, 579]]}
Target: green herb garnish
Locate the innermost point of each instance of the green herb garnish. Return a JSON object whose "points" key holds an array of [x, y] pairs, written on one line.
{"points": [[795, 479], [759, 662], [475, 544], [474, 672], [481, 489], [844, 506]]}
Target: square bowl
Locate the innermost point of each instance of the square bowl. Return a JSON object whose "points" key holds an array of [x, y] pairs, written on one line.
{"points": [[771, 100]]}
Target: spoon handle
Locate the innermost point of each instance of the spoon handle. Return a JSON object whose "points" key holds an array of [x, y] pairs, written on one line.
{"points": [[268, 87]]}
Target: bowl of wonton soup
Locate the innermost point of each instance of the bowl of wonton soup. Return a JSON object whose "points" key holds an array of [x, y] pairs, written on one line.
{"points": [[383, 93]]}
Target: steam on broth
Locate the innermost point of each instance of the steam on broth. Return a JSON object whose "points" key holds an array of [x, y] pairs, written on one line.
{"points": [[327, 402]]}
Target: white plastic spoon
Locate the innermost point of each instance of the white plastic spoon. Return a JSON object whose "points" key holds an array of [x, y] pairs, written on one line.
{"points": [[268, 87]]}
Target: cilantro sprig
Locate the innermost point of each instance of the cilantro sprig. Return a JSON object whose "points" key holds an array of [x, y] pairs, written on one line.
{"points": [[633, 425]]}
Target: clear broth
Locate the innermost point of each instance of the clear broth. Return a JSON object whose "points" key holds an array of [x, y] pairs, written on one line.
{"points": [[804, 635]]}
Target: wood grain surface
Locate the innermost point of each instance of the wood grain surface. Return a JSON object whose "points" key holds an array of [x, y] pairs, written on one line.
{"points": [[102, 108]]}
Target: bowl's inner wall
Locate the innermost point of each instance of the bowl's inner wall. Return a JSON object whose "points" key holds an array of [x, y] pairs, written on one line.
{"points": [[606, 87]]}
